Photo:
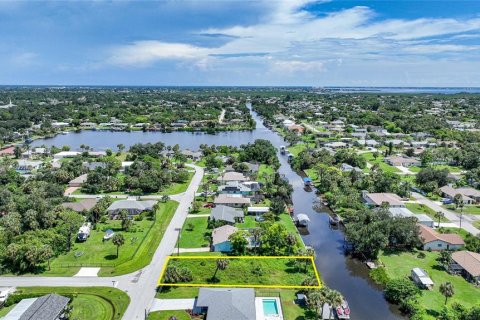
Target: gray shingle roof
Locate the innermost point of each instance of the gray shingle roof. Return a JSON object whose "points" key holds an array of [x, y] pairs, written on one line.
{"points": [[225, 213], [228, 304], [47, 307]]}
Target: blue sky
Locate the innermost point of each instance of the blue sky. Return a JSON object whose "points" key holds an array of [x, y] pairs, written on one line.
{"points": [[269, 42]]}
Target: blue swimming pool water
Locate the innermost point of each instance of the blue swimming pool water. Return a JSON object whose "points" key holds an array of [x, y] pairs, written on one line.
{"points": [[270, 307]]}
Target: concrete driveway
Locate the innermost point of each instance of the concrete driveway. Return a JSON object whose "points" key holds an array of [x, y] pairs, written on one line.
{"points": [[172, 304]]}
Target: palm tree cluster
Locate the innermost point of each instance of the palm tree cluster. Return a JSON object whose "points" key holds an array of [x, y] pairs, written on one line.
{"points": [[316, 298]]}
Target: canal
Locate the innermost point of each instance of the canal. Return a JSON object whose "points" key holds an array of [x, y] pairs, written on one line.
{"points": [[340, 272]]}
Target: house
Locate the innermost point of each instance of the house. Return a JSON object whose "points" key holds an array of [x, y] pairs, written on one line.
{"points": [[94, 165], [394, 142], [368, 142], [66, 154], [421, 278], [296, 128], [226, 303], [347, 168], [232, 176], [402, 161], [231, 200], [226, 214], [9, 151], [194, 155], [133, 207], [78, 181], [235, 187], [47, 307], [432, 240], [469, 195], [404, 212], [257, 211], [336, 145], [220, 235], [83, 205], [378, 199], [468, 264], [27, 166]]}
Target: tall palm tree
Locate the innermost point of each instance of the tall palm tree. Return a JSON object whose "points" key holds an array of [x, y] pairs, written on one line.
{"points": [[222, 264], [316, 299], [446, 289], [118, 240], [439, 215]]}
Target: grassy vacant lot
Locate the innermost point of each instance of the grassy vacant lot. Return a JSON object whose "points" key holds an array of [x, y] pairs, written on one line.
{"points": [[287, 296], [419, 208], [98, 303], [399, 265], [384, 166], [175, 188], [279, 271], [467, 209], [194, 238], [137, 252]]}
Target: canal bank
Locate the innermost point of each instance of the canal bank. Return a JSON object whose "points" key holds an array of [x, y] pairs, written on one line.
{"points": [[349, 276]]}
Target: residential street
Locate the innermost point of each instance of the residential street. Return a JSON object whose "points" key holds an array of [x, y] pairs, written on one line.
{"points": [[139, 285], [453, 217]]}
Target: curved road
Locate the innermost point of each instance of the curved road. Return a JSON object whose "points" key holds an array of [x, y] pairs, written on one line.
{"points": [[140, 285]]}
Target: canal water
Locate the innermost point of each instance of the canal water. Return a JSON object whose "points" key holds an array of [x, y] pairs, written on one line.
{"points": [[340, 272]]}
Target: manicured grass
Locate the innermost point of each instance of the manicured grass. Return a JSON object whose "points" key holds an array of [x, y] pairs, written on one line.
{"points": [[249, 222], [167, 315], [399, 265], [88, 302], [463, 233], [384, 166], [5, 310], [177, 292], [242, 271], [133, 255], [264, 170], [419, 208], [296, 149], [194, 238], [439, 167], [476, 224], [467, 209]]}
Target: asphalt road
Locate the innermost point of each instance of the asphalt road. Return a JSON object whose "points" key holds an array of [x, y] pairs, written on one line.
{"points": [[140, 285]]}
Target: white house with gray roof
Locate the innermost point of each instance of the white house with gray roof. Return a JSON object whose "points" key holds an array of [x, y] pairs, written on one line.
{"points": [[227, 304], [47, 307], [227, 214], [133, 207]]}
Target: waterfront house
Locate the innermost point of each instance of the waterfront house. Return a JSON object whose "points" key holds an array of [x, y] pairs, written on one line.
{"points": [[235, 187], [26, 166], [378, 199], [133, 207], [220, 235], [467, 263], [226, 303], [66, 154], [226, 214], [432, 240], [47, 307], [422, 219]]}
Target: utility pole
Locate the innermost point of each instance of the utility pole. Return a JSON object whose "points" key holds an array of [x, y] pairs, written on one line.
{"points": [[178, 240]]}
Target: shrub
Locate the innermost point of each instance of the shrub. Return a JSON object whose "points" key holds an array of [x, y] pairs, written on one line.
{"points": [[398, 290], [175, 274], [379, 276], [421, 255]]}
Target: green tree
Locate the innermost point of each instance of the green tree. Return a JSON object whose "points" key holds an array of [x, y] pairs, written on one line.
{"points": [[239, 242], [118, 240], [221, 264], [446, 289], [398, 290], [439, 215], [333, 298], [126, 221], [70, 221]]}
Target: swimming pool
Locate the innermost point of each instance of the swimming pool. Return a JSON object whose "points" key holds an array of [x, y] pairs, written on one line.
{"points": [[270, 307]]}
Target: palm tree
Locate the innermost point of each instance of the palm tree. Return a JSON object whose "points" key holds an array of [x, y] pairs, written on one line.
{"points": [[334, 298], [439, 215], [118, 240], [222, 264], [446, 289], [315, 300]]}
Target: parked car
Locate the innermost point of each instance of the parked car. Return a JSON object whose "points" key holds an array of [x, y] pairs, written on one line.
{"points": [[447, 201]]}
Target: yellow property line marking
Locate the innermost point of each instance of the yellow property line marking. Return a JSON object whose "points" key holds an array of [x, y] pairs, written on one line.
{"points": [[317, 276]]}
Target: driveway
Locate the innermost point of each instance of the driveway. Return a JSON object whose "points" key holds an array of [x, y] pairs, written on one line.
{"points": [[172, 304], [452, 216]]}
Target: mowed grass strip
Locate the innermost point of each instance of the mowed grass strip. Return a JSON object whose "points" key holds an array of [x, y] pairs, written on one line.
{"points": [[99, 303], [247, 271]]}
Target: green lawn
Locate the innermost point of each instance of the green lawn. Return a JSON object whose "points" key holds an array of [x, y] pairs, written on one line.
{"points": [[476, 224], [99, 303], [384, 166], [166, 315], [463, 233], [5, 310], [419, 208], [296, 149], [136, 253], [194, 238], [175, 188], [244, 271], [177, 293], [264, 170], [439, 167], [467, 209], [400, 265], [249, 222]]}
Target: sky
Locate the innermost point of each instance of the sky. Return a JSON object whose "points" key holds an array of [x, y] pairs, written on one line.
{"points": [[424, 43]]}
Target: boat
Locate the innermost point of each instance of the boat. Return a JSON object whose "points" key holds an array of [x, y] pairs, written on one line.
{"points": [[108, 234], [289, 156], [302, 220], [282, 149], [307, 182], [343, 310], [335, 219]]}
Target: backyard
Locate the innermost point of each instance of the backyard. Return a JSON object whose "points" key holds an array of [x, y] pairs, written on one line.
{"points": [[88, 303], [400, 264], [194, 233], [379, 160], [246, 271], [140, 245]]}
